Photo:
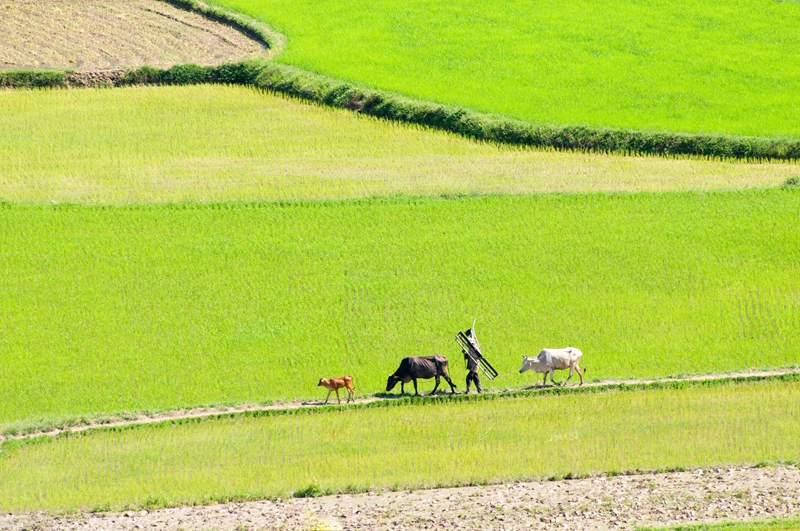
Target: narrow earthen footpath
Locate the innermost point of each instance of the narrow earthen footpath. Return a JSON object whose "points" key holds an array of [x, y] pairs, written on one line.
{"points": [[203, 412]]}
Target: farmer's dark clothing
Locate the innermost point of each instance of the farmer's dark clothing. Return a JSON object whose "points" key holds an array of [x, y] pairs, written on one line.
{"points": [[473, 377], [473, 364]]}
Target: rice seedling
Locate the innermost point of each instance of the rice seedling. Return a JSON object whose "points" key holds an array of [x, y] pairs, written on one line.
{"points": [[108, 309], [221, 143], [405, 446], [611, 63]]}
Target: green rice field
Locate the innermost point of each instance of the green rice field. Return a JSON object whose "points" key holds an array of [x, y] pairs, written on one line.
{"points": [[218, 143], [156, 306], [409, 446], [685, 65], [168, 247]]}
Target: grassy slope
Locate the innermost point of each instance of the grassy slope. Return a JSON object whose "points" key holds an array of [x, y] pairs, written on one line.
{"points": [[110, 308], [685, 65], [406, 446], [202, 143]]}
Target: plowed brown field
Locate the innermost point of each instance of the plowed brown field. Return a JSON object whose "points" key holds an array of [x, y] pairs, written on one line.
{"points": [[621, 502], [87, 35]]}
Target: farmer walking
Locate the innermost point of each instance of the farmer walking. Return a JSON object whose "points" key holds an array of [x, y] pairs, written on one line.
{"points": [[473, 362]]}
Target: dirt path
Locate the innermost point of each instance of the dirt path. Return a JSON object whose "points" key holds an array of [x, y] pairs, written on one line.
{"points": [[89, 35], [621, 502], [179, 414]]}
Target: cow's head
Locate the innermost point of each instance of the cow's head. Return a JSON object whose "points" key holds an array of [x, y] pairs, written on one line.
{"points": [[322, 381], [391, 382], [533, 364]]}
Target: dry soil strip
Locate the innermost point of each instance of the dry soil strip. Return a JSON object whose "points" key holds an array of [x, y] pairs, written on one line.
{"points": [[621, 502], [180, 414]]}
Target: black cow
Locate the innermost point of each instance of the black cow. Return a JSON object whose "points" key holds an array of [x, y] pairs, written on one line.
{"points": [[414, 367]]}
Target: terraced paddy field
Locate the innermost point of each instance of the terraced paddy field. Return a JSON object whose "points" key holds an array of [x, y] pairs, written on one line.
{"points": [[686, 65], [466, 442], [216, 143], [157, 306], [168, 247]]}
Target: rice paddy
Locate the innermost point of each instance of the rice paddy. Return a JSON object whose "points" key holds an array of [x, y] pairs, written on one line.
{"points": [[686, 65], [409, 446], [218, 143], [166, 247], [154, 306]]}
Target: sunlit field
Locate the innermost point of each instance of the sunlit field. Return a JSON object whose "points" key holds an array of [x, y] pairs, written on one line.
{"points": [[217, 143], [777, 524], [177, 247], [405, 446], [155, 306], [686, 65]]}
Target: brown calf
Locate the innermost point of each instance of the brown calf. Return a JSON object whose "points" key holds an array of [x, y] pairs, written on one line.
{"points": [[334, 384]]}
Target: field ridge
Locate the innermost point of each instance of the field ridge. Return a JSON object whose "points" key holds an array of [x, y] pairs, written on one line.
{"points": [[323, 90], [317, 88], [131, 419]]}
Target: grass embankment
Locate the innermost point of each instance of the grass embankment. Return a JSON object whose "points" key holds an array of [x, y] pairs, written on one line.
{"points": [[611, 63], [215, 143], [144, 307], [408, 446]]}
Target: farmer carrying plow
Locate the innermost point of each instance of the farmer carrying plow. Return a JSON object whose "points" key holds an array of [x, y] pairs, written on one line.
{"points": [[475, 361]]}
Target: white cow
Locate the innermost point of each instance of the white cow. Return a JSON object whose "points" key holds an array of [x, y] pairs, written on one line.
{"points": [[550, 359]]}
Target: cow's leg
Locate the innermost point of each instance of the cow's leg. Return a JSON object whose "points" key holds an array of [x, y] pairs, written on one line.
{"points": [[402, 387], [416, 391], [435, 387], [571, 367], [580, 373], [329, 395], [453, 386], [552, 376], [544, 382], [337, 397]]}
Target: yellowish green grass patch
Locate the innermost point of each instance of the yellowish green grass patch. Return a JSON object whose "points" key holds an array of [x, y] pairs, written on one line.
{"points": [[406, 446], [218, 143]]}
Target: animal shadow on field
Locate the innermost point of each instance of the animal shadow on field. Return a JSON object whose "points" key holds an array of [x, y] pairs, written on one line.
{"points": [[319, 403], [539, 386], [396, 396]]}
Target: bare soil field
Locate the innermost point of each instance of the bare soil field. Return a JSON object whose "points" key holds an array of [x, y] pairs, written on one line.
{"points": [[127, 419], [89, 35], [618, 502]]}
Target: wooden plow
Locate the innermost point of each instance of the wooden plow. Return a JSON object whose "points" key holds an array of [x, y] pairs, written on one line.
{"points": [[468, 342]]}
